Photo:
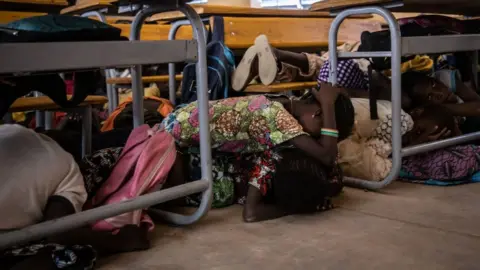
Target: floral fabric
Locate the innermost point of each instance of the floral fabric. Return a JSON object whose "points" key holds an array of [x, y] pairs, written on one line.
{"points": [[237, 125], [232, 175]]}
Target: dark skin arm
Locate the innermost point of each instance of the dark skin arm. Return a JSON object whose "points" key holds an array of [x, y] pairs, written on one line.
{"points": [[466, 93], [129, 238], [471, 105], [466, 109], [325, 149]]}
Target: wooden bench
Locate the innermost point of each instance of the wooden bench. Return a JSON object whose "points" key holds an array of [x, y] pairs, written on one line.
{"points": [[464, 7], [44, 103], [145, 79], [44, 6], [206, 10], [253, 88], [88, 5], [240, 32], [10, 16], [279, 87], [157, 32]]}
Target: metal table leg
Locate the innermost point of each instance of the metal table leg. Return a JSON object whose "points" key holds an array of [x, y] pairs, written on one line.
{"points": [[396, 54], [205, 146], [39, 115], [87, 131], [172, 83], [112, 93]]}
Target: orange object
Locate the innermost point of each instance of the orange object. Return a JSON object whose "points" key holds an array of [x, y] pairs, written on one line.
{"points": [[164, 109]]}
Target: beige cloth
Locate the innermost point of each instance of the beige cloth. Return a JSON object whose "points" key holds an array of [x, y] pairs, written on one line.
{"points": [[365, 154], [34, 168], [360, 160]]}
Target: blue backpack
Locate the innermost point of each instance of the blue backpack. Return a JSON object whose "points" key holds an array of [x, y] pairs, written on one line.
{"points": [[220, 65]]}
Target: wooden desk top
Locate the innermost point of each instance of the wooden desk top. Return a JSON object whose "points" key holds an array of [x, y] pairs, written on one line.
{"points": [[212, 10], [45, 103], [88, 5], [465, 7], [38, 2]]}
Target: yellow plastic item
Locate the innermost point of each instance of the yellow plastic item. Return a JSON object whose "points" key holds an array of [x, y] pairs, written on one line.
{"points": [[421, 63]]}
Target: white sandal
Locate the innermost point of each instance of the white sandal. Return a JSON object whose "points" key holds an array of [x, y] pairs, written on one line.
{"points": [[246, 70], [267, 62]]}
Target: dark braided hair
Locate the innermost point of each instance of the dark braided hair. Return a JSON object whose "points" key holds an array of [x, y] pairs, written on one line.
{"points": [[344, 116], [410, 79], [301, 184]]}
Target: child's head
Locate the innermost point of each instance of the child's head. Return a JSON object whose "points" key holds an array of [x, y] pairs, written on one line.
{"points": [[312, 119], [424, 90], [301, 183], [429, 120]]}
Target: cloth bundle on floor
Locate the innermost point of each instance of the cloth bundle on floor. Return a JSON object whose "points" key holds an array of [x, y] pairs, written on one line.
{"points": [[450, 166], [365, 154]]}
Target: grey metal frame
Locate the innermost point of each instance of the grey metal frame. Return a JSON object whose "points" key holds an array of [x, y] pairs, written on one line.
{"points": [[204, 185], [112, 93], [399, 46], [201, 79], [172, 83]]}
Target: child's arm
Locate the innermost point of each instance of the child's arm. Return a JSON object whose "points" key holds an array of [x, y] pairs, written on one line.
{"points": [[325, 149], [129, 238], [466, 93], [464, 109]]}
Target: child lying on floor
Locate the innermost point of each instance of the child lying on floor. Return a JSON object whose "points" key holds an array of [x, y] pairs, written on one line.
{"points": [[40, 182], [257, 126], [446, 89]]}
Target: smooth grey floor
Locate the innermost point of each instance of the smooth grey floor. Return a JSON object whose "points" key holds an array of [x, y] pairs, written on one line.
{"points": [[406, 226]]}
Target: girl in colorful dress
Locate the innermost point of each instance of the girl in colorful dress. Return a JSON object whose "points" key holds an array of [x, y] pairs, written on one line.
{"points": [[258, 128]]}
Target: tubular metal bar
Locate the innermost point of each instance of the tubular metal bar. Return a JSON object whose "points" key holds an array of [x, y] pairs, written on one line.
{"points": [[172, 84], [49, 120], [39, 115], [417, 149], [56, 56], [112, 93], [87, 131], [136, 70], [44, 229], [363, 54], [395, 38], [440, 44], [205, 146]]}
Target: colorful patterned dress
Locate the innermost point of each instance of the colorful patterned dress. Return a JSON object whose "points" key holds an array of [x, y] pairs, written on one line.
{"points": [[237, 125]]}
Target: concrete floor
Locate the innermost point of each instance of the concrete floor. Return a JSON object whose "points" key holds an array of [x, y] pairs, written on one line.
{"points": [[406, 226]]}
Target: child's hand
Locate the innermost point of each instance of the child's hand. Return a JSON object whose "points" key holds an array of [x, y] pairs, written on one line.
{"points": [[327, 93], [443, 134], [432, 136]]}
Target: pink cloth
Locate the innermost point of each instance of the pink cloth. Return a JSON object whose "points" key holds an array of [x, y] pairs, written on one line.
{"points": [[143, 167]]}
